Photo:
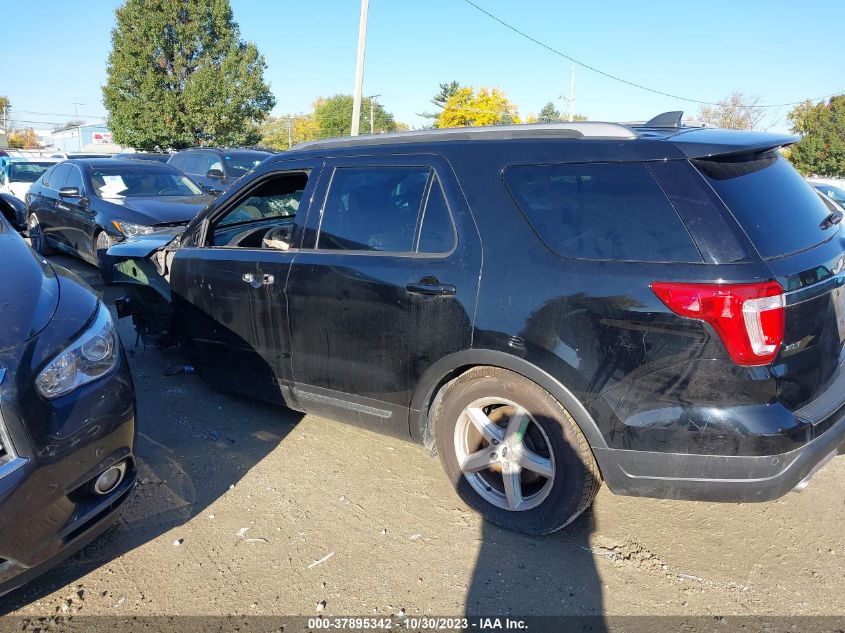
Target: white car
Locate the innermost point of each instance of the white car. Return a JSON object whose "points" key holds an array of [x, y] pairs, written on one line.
{"points": [[19, 174]]}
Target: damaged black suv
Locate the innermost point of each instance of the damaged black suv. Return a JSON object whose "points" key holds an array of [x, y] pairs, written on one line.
{"points": [[653, 306]]}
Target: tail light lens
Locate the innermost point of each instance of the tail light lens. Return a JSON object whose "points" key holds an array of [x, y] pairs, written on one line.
{"points": [[749, 318]]}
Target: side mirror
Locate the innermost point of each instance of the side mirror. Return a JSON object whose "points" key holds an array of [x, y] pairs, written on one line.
{"points": [[215, 173], [69, 192], [13, 210]]}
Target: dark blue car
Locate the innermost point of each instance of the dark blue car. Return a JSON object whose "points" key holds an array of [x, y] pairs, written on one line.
{"points": [[67, 414], [83, 206]]}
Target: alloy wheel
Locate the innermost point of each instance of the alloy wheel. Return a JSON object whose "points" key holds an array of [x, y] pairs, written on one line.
{"points": [[504, 454], [36, 235]]}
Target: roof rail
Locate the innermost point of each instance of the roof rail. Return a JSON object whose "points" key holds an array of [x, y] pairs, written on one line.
{"points": [[575, 130]]}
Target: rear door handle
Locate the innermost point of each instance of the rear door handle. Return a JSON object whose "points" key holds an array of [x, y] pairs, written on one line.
{"points": [[431, 289]]}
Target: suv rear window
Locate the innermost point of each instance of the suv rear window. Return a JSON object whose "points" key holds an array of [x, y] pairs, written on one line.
{"points": [[604, 211], [779, 211]]}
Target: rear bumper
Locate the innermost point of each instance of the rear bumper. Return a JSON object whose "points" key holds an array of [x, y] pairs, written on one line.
{"points": [[717, 477]]}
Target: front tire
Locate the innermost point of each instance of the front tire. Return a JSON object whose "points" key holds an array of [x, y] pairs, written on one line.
{"points": [[36, 236], [513, 452]]}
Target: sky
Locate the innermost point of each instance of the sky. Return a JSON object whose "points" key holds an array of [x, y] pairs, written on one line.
{"points": [[777, 50]]}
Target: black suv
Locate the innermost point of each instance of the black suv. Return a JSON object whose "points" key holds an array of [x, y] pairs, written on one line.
{"points": [[655, 306], [214, 168]]}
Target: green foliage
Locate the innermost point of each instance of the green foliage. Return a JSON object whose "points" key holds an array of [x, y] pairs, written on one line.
{"points": [[444, 93], [821, 150], [549, 114], [179, 75], [334, 116]]}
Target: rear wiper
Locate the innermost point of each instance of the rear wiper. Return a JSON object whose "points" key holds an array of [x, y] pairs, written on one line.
{"points": [[834, 217]]}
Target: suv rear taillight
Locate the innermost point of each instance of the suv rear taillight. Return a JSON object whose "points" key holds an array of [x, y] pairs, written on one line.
{"points": [[749, 318]]}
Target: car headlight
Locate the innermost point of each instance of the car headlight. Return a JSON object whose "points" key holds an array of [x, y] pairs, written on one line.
{"points": [[89, 357], [133, 230]]}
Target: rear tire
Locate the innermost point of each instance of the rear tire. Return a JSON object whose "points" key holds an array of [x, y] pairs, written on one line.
{"points": [[513, 452], [36, 236]]}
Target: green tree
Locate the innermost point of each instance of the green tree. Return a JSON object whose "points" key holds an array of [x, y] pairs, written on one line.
{"points": [[549, 114], [466, 107], [179, 75], [334, 116], [445, 91], [821, 150]]}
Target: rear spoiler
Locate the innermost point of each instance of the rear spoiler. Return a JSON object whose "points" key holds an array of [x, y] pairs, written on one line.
{"points": [[714, 142]]}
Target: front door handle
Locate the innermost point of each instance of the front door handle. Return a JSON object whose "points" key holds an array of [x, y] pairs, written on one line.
{"points": [[256, 281], [431, 287]]}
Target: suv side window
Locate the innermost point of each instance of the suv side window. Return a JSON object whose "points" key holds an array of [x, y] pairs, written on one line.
{"points": [[193, 164], [437, 233], [264, 219], [373, 208], [601, 211]]}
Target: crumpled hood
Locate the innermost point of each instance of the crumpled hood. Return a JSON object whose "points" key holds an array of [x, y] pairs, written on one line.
{"points": [[29, 290], [158, 210]]}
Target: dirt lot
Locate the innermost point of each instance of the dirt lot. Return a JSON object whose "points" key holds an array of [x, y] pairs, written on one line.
{"points": [[249, 509]]}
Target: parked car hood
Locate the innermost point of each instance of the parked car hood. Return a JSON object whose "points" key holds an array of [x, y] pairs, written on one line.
{"points": [[29, 290], [159, 210]]}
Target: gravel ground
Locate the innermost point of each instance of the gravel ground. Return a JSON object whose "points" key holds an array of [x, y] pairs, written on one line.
{"points": [[243, 508]]}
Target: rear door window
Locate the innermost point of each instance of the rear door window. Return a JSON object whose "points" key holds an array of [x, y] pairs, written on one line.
{"points": [[601, 211], [373, 208], [779, 211]]}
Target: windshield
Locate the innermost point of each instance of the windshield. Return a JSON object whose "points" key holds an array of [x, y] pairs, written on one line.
{"points": [[241, 162], [127, 182], [27, 172]]}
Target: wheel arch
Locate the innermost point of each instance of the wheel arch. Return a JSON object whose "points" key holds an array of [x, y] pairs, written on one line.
{"points": [[452, 366]]}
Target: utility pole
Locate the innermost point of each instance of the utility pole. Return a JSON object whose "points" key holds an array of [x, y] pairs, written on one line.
{"points": [[76, 109], [571, 98], [290, 125], [359, 69], [372, 117]]}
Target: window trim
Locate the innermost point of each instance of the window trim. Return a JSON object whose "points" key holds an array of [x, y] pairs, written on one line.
{"points": [[414, 254], [644, 164]]}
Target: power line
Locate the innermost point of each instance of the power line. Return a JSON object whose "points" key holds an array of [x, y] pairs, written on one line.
{"points": [[620, 79], [87, 116]]}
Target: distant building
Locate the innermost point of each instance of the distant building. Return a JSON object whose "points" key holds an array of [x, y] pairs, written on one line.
{"points": [[93, 137]]}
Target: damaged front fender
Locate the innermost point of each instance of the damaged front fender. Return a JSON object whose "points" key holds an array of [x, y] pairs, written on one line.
{"points": [[142, 268]]}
